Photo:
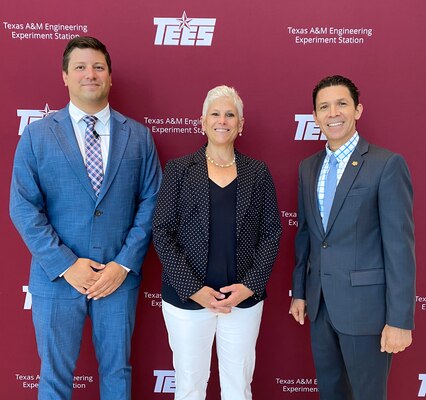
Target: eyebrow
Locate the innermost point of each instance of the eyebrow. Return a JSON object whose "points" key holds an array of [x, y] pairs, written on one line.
{"points": [[337, 100], [88, 63], [216, 109]]}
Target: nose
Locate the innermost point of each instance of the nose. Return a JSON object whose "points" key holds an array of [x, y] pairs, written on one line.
{"points": [[90, 72], [222, 119], [333, 110]]}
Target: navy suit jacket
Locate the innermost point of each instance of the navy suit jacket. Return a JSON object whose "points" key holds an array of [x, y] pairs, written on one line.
{"points": [[364, 262], [54, 207]]}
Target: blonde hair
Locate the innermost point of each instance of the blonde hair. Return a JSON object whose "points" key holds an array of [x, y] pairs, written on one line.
{"points": [[223, 91]]}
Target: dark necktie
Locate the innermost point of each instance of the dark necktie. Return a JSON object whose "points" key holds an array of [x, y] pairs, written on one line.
{"points": [[93, 154]]}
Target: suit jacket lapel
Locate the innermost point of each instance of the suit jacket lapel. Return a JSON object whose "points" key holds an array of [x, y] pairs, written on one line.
{"points": [[199, 181], [352, 169], [64, 133], [118, 142], [245, 182], [315, 172]]}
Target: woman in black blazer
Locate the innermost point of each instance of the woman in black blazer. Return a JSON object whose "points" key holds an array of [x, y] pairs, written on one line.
{"points": [[216, 230]]}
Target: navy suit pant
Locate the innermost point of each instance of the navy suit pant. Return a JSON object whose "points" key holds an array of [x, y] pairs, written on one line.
{"points": [[348, 367]]}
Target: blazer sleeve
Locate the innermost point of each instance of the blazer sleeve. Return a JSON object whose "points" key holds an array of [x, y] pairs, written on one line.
{"points": [[395, 198], [165, 230], [28, 213], [302, 245], [138, 238], [269, 234]]}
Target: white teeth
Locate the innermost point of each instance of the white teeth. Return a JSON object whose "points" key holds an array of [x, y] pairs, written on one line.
{"points": [[335, 124]]}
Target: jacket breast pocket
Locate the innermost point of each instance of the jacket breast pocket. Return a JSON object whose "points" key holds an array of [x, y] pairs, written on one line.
{"points": [[358, 191], [366, 277], [130, 172]]}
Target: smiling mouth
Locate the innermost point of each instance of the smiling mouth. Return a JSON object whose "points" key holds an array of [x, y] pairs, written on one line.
{"points": [[334, 124], [221, 130]]}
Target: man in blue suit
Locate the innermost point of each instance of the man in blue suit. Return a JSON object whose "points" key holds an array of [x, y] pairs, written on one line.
{"points": [[355, 265], [84, 186]]}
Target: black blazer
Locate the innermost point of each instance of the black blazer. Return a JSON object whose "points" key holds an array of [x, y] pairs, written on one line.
{"points": [[181, 224]]}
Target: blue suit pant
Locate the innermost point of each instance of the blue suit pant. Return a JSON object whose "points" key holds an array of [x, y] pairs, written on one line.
{"points": [[59, 327], [348, 367]]}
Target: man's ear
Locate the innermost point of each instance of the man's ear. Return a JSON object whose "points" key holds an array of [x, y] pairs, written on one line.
{"points": [[359, 111]]}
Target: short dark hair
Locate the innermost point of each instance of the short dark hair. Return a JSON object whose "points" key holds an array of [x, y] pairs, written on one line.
{"points": [[84, 42], [336, 80]]}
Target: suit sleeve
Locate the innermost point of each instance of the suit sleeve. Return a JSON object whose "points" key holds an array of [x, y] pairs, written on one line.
{"points": [[28, 213], [395, 198], [165, 231], [302, 245], [269, 234], [138, 238]]}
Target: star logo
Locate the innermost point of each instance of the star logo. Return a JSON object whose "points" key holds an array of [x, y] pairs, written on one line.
{"points": [[184, 31], [46, 111], [184, 21], [28, 116]]}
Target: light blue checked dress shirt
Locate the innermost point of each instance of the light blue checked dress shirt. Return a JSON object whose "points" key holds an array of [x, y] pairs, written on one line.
{"points": [[342, 154]]}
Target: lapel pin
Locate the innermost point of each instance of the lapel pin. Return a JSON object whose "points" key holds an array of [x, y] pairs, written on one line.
{"points": [[354, 163]]}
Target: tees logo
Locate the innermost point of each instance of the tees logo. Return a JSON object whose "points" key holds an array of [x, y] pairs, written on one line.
{"points": [[307, 129], [165, 382], [422, 390], [28, 116], [184, 31], [28, 298]]}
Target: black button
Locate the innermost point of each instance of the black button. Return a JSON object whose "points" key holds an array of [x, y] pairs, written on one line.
{"points": [[98, 213], [324, 245]]}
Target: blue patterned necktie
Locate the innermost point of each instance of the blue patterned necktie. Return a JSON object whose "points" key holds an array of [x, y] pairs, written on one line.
{"points": [[329, 189], [93, 154]]}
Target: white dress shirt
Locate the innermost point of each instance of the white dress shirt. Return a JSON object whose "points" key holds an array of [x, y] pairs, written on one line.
{"points": [[102, 128]]}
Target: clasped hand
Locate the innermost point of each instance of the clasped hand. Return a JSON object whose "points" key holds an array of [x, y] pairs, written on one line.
{"points": [[94, 279], [217, 301]]}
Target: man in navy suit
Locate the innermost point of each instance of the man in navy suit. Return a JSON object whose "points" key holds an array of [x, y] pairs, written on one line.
{"points": [[355, 265], [84, 211]]}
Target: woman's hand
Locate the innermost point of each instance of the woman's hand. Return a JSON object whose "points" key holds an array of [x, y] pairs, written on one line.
{"points": [[238, 293], [207, 297]]}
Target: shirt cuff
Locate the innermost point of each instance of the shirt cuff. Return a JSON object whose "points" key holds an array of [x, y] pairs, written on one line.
{"points": [[127, 269]]}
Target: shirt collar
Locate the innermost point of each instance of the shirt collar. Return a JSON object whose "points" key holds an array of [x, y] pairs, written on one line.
{"points": [[77, 115], [345, 150]]}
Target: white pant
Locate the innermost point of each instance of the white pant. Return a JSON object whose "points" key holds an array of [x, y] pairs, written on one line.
{"points": [[191, 335]]}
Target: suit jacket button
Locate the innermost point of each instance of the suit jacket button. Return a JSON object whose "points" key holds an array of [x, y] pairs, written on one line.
{"points": [[324, 245], [98, 213]]}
